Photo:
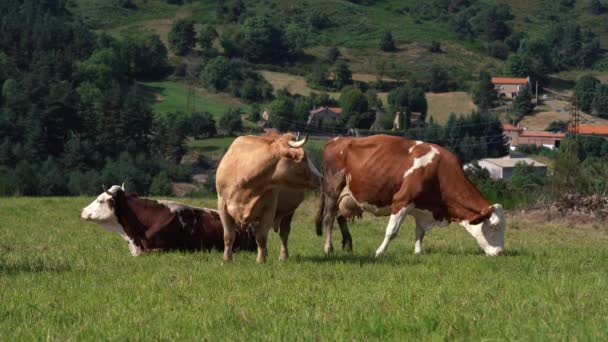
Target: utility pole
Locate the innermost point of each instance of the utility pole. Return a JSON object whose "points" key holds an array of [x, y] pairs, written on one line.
{"points": [[537, 93]]}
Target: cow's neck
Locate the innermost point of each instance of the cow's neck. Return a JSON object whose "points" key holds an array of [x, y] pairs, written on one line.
{"points": [[466, 202], [129, 215]]}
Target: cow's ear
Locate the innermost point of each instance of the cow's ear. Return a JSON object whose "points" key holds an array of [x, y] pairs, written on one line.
{"points": [[111, 203]]}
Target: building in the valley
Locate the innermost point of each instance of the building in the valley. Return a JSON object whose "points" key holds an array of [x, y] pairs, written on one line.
{"points": [[502, 168], [510, 86], [323, 114], [520, 136]]}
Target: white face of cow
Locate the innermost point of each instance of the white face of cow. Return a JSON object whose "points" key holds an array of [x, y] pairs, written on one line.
{"points": [[101, 210], [490, 233]]}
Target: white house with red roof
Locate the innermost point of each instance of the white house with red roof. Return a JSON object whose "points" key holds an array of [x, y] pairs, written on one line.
{"points": [[510, 86]]}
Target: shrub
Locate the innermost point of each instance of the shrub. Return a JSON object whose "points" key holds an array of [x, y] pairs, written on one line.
{"points": [[161, 185]]}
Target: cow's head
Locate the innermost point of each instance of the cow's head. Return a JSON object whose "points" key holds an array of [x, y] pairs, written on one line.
{"points": [[102, 209], [490, 232], [294, 170]]}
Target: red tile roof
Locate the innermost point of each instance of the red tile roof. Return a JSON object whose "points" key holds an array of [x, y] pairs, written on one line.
{"points": [[509, 80], [588, 129], [336, 110], [509, 127], [539, 134]]}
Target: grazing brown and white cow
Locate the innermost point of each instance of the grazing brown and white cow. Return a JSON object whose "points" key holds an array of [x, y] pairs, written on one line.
{"points": [[150, 225], [260, 180], [388, 175]]}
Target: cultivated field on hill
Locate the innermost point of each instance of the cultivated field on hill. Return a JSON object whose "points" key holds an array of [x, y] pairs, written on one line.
{"points": [[63, 278]]}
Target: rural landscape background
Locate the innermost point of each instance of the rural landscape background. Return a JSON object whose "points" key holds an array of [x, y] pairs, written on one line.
{"points": [[152, 93]]}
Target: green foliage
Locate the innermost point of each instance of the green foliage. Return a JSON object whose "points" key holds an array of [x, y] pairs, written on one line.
{"points": [[333, 53], [281, 111], [206, 37], [557, 126], [600, 100], [202, 125], [221, 74], [484, 93], [596, 7], [342, 75], [407, 99], [522, 104], [255, 112], [439, 79], [231, 121], [161, 185], [182, 36], [387, 43], [262, 41], [318, 77], [585, 89]]}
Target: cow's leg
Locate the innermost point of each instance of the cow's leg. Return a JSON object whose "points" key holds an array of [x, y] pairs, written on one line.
{"points": [[261, 234], [419, 237], [347, 241], [393, 228], [329, 215], [229, 229], [285, 228]]}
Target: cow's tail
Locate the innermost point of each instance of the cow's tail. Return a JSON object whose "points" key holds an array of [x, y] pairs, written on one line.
{"points": [[319, 218]]}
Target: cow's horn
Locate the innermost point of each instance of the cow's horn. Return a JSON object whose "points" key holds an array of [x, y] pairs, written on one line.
{"points": [[298, 144], [298, 135], [123, 186]]}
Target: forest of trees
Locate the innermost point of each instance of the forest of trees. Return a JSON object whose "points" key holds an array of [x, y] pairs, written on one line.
{"points": [[72, 116]]}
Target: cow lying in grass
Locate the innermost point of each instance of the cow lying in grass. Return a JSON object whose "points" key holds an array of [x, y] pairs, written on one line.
{"points": [[150, 225]]}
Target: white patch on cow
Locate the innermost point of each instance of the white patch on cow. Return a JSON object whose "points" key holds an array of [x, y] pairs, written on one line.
{"points": [[100, 212], [418, 142], [426, 220], [422, 161], [489, 233], [364, 206], [175, 207], [393, 228]]}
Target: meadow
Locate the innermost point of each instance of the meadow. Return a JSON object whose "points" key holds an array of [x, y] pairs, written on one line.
{"points": [[64, 278]]}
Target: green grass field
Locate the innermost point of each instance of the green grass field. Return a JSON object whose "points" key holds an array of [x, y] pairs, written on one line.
{"points": [[63, 278], [168, 96]]}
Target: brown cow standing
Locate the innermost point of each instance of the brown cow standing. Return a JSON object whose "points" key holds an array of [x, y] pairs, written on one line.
{"points": [[149, 225], [388, 175], [260, 181]]}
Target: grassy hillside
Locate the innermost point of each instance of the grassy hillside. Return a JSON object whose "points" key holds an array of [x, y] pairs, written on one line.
{"points": [[63, 278], [168, 96]]}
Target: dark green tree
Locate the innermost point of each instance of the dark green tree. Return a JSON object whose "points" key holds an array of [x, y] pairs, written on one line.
{"points": [[281, 111], [333, 53], [182, 36], [342, 75], [600, 100], [231, 121], [596, 7], [387, 43], [585, 89], [263, 41], [484, 93], [206, 37], [439, 79], [522, 104]]}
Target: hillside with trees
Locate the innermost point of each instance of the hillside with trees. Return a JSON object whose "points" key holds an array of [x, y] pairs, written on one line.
{"points": [[97, 91]]}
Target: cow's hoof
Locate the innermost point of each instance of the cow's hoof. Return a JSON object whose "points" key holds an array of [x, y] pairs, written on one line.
{"points": [[329, 249], [379, 253], [347, 245], [283, 257]]}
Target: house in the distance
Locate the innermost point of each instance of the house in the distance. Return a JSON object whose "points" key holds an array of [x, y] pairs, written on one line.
{"points": [[520, 136], [415, 119], [510, 86], [502, 168], [323, 114]]}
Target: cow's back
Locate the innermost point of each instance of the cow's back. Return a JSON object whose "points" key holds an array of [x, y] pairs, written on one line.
{"points": [[372, 168]]}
